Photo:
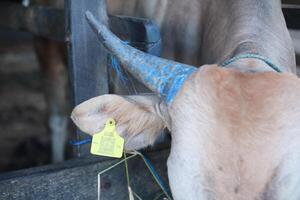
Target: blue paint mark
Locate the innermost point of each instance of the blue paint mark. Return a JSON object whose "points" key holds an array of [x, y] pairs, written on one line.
{"points": [[166, 79], [178, 82], [159, 75]]}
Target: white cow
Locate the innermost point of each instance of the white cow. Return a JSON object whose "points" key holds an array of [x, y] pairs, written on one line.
{"points": [[235, 129]]}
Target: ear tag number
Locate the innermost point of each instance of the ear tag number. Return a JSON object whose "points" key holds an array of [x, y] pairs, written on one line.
{"points": [[108, 142]]}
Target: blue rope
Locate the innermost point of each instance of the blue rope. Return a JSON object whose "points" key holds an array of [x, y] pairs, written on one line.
{"points": [[81, 142], [117, 68], [251, 55]]}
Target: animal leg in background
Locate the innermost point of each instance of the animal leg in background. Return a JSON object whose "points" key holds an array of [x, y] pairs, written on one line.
{"points": [[51, 60]]}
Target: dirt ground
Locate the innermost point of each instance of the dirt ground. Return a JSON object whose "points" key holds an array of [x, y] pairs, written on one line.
{"points": [[24, 141]]}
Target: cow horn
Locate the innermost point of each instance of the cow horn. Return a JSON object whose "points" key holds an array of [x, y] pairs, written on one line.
{"points": [[162, 76]]}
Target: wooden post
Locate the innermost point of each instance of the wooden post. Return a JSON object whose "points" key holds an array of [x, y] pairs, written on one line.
{"points": [[87, 58]]}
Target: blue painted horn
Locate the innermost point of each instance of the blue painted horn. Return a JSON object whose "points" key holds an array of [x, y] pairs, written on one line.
{"points": [[162, 76]]}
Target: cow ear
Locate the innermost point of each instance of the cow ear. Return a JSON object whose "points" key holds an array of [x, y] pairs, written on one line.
{"points": [[140, 119]]}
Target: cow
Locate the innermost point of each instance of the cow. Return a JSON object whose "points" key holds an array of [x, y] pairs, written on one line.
{"points": [[234, 121]]}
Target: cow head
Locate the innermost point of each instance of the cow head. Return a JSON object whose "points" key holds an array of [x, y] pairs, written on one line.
{"points": [[234, 134]]}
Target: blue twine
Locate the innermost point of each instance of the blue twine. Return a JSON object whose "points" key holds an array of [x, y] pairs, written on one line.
{"points": [[81, 142], [251, 55], [117, 68]]}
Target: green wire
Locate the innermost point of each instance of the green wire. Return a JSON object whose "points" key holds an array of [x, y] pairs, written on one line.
{"points": [[135, 153], [159, 195], [126, 170]]}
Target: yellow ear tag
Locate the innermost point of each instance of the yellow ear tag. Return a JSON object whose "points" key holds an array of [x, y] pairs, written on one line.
{"points": [[108, 142]]}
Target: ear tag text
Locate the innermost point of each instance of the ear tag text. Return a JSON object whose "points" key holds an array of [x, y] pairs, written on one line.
{"points": [[108, 142]]}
